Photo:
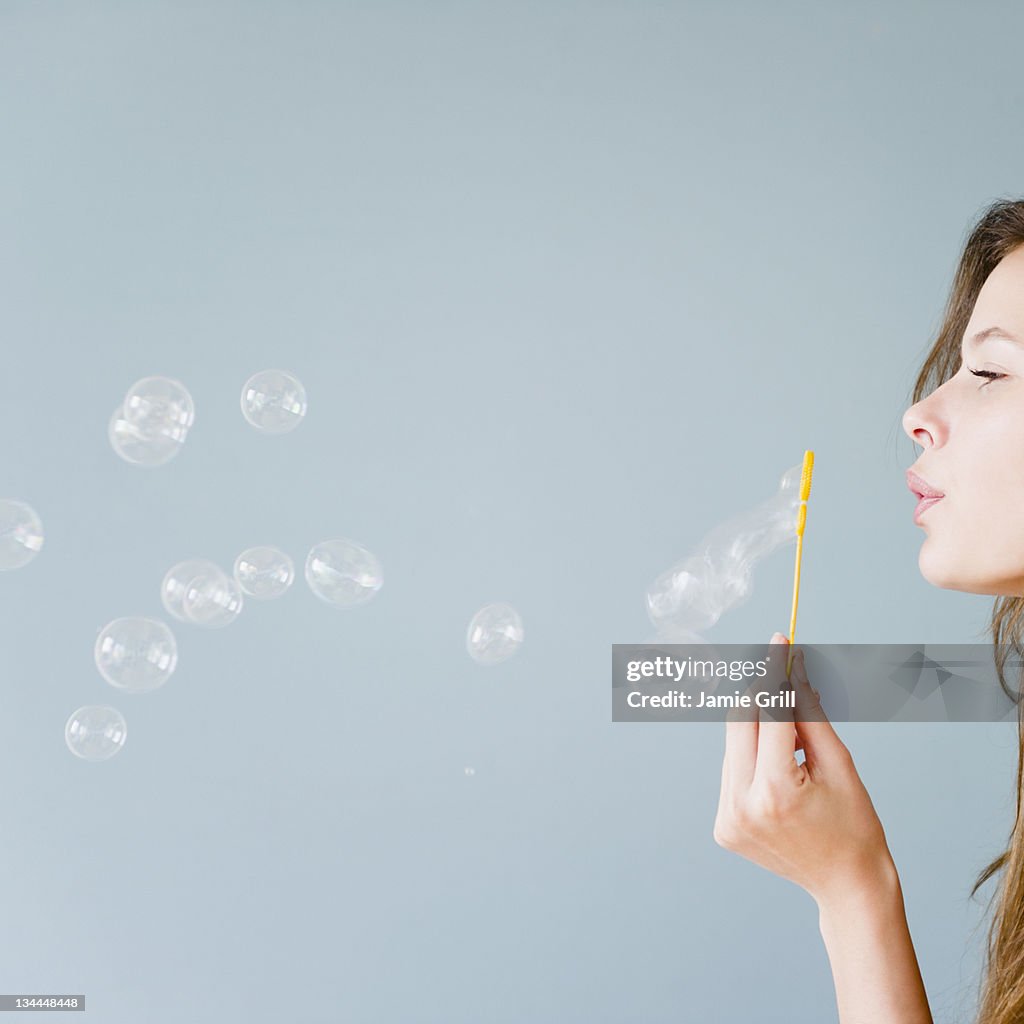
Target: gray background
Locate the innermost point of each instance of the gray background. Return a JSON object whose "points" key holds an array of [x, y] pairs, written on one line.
{"points": [[568, 284]]}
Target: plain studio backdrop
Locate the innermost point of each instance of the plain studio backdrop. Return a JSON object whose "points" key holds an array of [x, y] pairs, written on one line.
{"points": [[568, 284]]}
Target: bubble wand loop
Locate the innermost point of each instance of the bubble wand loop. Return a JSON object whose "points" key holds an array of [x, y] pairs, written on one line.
{"points": [[801, 522]]}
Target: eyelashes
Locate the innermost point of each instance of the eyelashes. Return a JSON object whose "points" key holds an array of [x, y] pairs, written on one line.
{"points": [[990, 374]]}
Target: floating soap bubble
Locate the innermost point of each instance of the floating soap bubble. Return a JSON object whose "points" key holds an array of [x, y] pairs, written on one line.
{"points": [[343, 573], [264, 572], [177, 579], [213, 600], [495, 633], [95, 732], [159, 407], [693, 594], [21, 533], [469, 771], [136, 654], [273, 401], [140, 448]]}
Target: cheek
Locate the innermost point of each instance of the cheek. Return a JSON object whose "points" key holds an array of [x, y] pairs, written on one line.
{"points": [[989, 470], [975, 536]]}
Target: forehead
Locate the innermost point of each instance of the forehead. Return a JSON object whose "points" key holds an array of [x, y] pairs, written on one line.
{"points": [[1001, 299], [1006, 282]]}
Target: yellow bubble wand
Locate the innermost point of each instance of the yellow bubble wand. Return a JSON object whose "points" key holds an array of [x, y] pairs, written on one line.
{"points": [[801, 522]]}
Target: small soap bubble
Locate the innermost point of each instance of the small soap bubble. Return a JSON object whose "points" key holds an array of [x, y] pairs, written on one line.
{"points": [[139, 448], [264, 572], [177, 579], [21, 533], [212, 600], [159, 407], [136, 654], [95, 732], [470, 771], [273, 401], [343, 573], [495, 633]]}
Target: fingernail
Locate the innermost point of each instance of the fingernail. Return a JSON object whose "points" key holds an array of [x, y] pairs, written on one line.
{"points": [[778, 638]]}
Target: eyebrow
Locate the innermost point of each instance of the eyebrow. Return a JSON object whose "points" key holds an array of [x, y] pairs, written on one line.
{"points": [[994, 332]]}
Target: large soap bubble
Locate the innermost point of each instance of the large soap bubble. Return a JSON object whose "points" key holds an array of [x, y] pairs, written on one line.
{"points": [[495, 633], [692, 595], [95, 732], [150, 426], [159, 406], [273, 401], [212, 599], [264, 572], [138, 446], [176, 581], [21, 533], [343, 573], [136, 654]]}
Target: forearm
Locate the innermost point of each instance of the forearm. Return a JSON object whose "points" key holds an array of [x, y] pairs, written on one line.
{"points": [[874, 966]]}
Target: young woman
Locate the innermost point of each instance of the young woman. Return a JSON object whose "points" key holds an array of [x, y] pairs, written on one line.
{"points": [[814, 823]]}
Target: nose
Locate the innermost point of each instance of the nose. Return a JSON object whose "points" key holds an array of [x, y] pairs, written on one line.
{"points": [[922, 422]]}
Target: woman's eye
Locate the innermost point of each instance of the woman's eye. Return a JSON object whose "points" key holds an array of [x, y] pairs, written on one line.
{"points": [[991, 374]]}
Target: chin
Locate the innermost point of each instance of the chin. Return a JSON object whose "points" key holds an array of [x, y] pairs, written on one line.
{"points": [[940, 573]]}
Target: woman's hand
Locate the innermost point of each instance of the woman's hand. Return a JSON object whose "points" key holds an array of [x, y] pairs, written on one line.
{"points": [[812, 823]]}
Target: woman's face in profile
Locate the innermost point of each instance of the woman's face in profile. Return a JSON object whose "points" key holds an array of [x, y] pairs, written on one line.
{"points": [[972, 432]]}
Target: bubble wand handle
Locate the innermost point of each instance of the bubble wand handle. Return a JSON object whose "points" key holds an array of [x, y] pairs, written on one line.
{"points": [[801, 522]]}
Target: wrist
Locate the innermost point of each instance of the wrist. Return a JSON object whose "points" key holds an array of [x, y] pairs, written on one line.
{"points": [[870, 949], [872, 888]]}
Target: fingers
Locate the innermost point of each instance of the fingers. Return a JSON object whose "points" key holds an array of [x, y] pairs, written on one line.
{"points": [[740, 745], [776, 735], [820, 741]]}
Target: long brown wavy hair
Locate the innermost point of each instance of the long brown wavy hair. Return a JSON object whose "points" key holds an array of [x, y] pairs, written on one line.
{"points": [[999, 230]]}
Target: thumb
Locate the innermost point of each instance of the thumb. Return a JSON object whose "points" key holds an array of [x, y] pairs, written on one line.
{"points": [[820, 741]]}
